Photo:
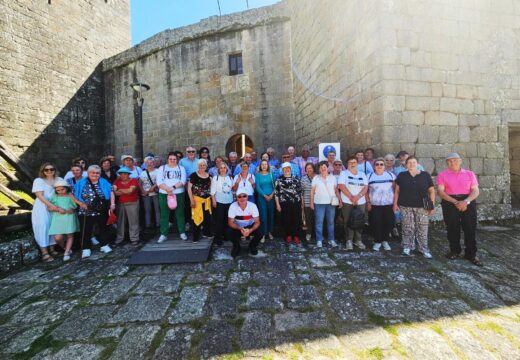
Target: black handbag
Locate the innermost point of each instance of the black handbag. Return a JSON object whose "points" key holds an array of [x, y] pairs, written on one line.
{"points": [[356, 220], [427, 203]]}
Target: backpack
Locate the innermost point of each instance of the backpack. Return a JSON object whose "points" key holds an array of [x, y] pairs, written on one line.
{"points": [[356, 221]]}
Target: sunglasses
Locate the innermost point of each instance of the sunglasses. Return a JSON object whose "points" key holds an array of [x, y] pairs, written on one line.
{"points": [[190, 151], [337, 164], [379, 164], [205, 152], [241, 196], [49, 169]]}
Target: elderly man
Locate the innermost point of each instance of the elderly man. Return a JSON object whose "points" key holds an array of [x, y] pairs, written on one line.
{"points": [[252, 168], [128, 161], [302, 160], [458, 189], [272, 160], [243, 221], [292, 153], [189, 163], [232, 162], [295, 170]]}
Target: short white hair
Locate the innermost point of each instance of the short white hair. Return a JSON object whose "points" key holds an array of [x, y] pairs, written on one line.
{"points": [[93, 167], [233, 153], [202, 161]]}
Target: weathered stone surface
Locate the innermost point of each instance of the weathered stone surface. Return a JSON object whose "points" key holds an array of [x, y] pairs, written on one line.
{"points": [[293, 320], [474, 290], [77, 352], [146, 270], [43, 312], [224, 301], [215, 341], [321, 261], [267, 278], [499, 343], [299, 297], [206, 278], [467, 344], [239, 277], [365, 337], [114, 291], [264, 297], [431, 346], [176, 343], [23, 340], [113, 332], [345, 305], [136, 342], [190, 305], [82, 324], [256, 330], [159, 284], [415, 309], [85, 287], [142, 308], [333, 278]]}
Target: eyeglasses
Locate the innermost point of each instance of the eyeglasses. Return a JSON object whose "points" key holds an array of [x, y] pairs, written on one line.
{"points": [[205, 152], [172, 159], [352, 162], [337, 164], [49, 169], [98, 173], [190, 151], [241, 196], [389, 160], [379, 164], [82, 162], [223, 167]]}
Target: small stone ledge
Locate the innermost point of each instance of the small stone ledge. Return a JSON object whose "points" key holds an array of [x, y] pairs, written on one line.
{"points": [[206, 27], [14, 254]]}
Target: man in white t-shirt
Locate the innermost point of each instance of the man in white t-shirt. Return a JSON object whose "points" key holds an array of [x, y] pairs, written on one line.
{"points": [[243, 221], [353, 186]]}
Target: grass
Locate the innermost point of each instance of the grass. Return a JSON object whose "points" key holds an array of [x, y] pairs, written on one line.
{"points": [[332, 353], [373, 353], [234, 356], [40, 344], [109, 346], [376, 319]]}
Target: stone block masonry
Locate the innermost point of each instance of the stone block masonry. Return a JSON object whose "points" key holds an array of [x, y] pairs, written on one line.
{"points": [[51, 88]]}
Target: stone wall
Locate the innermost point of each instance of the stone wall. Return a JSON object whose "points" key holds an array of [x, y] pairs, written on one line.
{"points": [[514, 161], [335, 46], [193, 100], [51, 84]]}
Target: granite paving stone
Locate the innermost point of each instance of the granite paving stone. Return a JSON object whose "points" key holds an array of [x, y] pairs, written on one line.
{"points": [[206, 278], [8, 289], [43, 312], [159, 284], [321, 261], [146, 270], [241, 277], [362, 336], [256, 331], [333, 279], [224, 300], [220, 266], [84, 287], [299, 297], [467, 344], [292, 320], [82, 324], [23, 340], [268, 278], [142, 308], [114, 291], [417, 309], [474, 290], [498, 342], [265, 297], [345, 306], [136, 342], [112, 332], [216, 339], [176, 343], [182, 268], [190, 305], [76, 352], [432, 346]]}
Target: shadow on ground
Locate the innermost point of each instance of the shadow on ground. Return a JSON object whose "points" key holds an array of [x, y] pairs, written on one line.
{"points": [[312, 304]]}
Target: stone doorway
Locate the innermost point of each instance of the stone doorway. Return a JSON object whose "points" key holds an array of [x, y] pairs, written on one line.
{"points": [[240, 143], [514, 164]]}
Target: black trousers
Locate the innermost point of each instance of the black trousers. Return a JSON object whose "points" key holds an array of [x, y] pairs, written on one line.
{"points": [[221, 219], [87, 225], [206, 224], [455, 220], [291, 217], [381, 222], [235, 235]]}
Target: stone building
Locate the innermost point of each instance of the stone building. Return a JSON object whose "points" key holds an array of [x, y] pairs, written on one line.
{"points": [[429, 77]]}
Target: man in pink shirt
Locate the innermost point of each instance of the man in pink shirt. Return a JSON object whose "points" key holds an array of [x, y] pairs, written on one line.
{"points": [[458, 189]]}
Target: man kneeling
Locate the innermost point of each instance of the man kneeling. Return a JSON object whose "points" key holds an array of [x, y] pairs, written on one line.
{"points": [[243, 221]]}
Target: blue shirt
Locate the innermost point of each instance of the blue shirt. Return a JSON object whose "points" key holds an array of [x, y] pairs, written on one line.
{"points": [[401, 168], [238, 170], [295, 171], [365, 168], [189, 165]]}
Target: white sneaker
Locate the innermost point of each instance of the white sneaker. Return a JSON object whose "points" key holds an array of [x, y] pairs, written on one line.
{"points": [[85, 253], [319, 244], [94, 241], [407, 252], [427, 254], [66, 256], [349, 245], [184, 237], [106, 249], [162, 239], [376, 246], [308, 237], [262, 240], [386, 246], [360, 245], [333, 243]]}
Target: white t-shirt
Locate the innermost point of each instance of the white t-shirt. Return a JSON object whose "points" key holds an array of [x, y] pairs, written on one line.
{"points": [[243, 218], [354, 184], [221, 189], [324, 189], [69, 175], [171, 176], [245, 183], [380, 189], [145, 182]]}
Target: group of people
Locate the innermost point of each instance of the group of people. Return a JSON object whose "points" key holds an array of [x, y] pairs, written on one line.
{"points": [[232, 200]]}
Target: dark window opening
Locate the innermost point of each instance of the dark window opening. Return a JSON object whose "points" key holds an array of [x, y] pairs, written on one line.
{"points": [[235, 64]]}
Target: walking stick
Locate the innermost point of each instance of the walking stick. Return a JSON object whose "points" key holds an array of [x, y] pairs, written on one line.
{"points": [[83, 235]]}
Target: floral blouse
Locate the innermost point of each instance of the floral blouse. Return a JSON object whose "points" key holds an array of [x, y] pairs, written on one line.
{"points": [[288, 190]]}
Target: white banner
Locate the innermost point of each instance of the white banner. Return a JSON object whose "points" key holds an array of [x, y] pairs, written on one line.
{"points": [[324, 149]]}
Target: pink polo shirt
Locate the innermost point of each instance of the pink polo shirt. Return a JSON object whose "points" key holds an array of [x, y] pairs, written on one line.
{"points": [[457, 183]]}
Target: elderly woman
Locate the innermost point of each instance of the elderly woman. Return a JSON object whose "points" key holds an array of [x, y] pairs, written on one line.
{"points": [[389, 163], [331, 158], [77, 175], [246, 181], [127, 192], [324, 189], [215, 170], [95, 198], [412, 190], [171, 179], [149, 188], [199, 191], [43, 189], [204, 154], [289, 202], [108, 170], [308, 211], [80, 161], [221, 199], [379, 200], [264, 181]]}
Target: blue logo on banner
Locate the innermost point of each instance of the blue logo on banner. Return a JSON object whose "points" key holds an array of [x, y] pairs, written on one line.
{"points": [[328, 149]]}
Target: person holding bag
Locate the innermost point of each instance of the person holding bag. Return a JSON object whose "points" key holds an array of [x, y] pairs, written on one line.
{"points": [[324, 199], [414, 197], [149, 188], [353, 186]]}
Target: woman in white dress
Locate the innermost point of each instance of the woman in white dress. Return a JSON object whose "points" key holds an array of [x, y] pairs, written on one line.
{"points": [[42, 208]]}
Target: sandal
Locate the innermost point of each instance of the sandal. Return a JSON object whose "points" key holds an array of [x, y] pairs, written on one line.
{"points": [[476, 261], [271, 237], [452, 256], [47, 258], [54, 253]]}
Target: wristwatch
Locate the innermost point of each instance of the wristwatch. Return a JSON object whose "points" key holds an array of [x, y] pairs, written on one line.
{"points": [[468, 202]]}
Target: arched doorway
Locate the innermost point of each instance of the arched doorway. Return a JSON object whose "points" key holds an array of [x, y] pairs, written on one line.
{"points": [[240, 143]]}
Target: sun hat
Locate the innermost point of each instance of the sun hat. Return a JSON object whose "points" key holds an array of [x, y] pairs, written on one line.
{"points": [[123, 157], [241, 191], [453, 155], [286, 164], [124, 169], [61, 183]]}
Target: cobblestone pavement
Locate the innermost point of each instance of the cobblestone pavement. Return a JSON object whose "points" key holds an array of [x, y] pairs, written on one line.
{"points": [[312, 304]]}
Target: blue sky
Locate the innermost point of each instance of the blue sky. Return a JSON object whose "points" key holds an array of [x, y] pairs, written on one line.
{"points": [[149, 17]]}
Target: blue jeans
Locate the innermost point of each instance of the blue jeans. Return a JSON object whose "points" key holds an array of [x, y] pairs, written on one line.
{"points": [[321, 211]]}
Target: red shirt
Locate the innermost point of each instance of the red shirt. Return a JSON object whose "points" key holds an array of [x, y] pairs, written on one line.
{"points": [[127, 198], [457, 183]]}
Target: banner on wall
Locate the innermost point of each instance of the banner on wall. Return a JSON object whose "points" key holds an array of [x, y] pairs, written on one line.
{"points": [[324, 149]]}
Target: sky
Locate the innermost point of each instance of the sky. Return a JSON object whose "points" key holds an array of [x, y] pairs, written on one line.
{"points": [[149, 17]]}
